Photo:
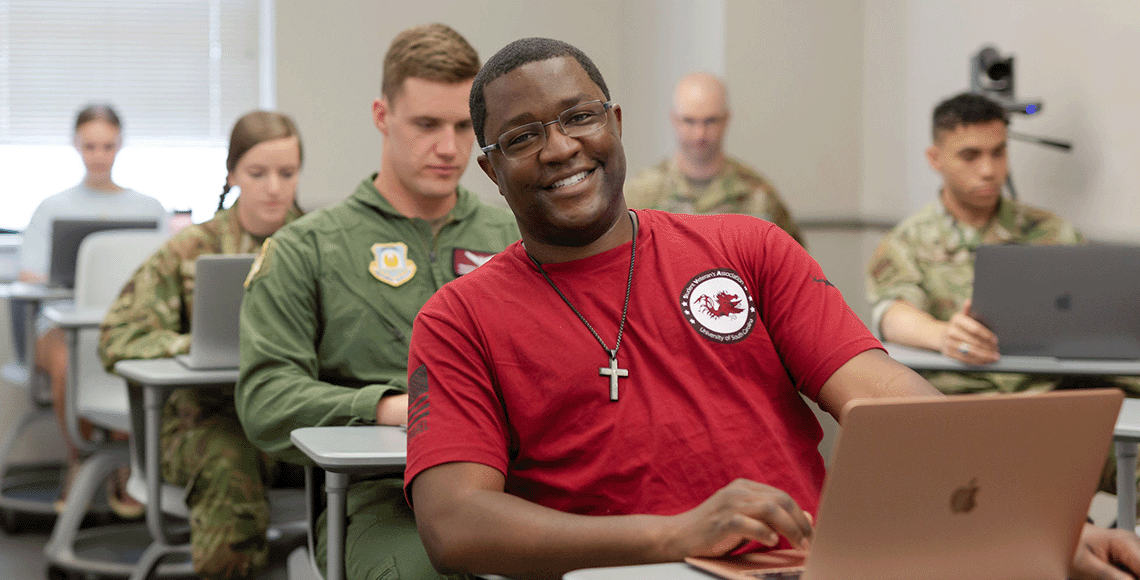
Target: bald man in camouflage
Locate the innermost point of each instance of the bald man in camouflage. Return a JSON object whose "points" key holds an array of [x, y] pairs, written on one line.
{"points": [[699, 177]]}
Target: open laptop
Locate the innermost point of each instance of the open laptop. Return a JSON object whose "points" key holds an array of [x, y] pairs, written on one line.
{"points": [[218, 290], [67, 234], [969, 486], [1061, 301]]}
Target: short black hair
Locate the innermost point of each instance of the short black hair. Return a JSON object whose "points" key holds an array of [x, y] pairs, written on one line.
{"points": [[965, 109], [516, 54]]}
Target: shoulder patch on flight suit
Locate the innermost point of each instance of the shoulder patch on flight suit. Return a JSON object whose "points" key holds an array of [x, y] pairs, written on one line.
{"points": [[391, 264], [465, 261], [259, 263]]}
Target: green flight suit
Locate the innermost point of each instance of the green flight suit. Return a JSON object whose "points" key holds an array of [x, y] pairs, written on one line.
{"points": [[325, 330]]}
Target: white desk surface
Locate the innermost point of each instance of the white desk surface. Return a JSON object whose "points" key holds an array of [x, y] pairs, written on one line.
{"points": [[25, 291], [666, 571], [167, 372], [67, 316], [925, 360], [1128, 422], [361, 448]]}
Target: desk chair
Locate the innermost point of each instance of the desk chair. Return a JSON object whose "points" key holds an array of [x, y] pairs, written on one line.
{"points": [[164, 499], [105, 263], [339, 454], [34, 491]]}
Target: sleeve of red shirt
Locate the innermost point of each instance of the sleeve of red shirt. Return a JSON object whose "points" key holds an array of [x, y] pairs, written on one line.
{"points": [[454, 412], [810, 323]]}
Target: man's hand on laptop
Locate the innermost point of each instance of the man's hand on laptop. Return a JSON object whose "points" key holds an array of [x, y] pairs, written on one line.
{"points": [[968, 340], [740, 511], [1104, 554]]}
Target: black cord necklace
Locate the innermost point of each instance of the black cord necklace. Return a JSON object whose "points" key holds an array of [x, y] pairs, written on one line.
{"points": [[612, 371]]}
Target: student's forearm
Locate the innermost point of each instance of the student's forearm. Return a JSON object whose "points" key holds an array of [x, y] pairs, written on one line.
{"points": [[493, 532], [468, 523], [902, 323]]}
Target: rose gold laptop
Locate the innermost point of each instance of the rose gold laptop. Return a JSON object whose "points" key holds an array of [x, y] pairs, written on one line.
{"points": [[969, 486]]}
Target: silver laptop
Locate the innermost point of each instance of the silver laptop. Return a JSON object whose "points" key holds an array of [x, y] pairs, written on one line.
{"points": [[218, 290], [67, 234], [969, 486], [1061, 301]]}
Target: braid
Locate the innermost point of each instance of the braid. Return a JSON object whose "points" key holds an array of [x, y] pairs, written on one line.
{"points": [[222, 199]]}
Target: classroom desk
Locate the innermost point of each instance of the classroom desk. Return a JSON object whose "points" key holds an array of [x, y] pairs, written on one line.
{"points": [[341, 452], [30, 297], [1126, 435], [667, 571], [158, 378], [25, 302], [104, 411]]}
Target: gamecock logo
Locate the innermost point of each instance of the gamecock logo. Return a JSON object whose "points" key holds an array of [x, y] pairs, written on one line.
{"points": [[726, 305], [718, 306]]}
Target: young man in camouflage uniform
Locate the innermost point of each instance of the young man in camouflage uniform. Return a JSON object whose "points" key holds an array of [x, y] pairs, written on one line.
{"points": [[920, 280], [327, 315], [700, 178]]}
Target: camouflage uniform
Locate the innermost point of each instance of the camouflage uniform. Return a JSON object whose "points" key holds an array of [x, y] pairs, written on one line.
{"points": [[928, 262], [735, 189], [203, 446]]}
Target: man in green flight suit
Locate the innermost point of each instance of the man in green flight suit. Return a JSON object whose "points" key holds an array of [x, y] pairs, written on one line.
{"points": [[700, 177], [329, 304]]}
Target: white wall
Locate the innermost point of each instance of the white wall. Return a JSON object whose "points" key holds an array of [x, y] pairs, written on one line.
{"points": [[1076, 56]]}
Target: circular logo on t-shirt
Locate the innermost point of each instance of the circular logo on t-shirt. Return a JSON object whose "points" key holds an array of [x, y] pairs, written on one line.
{"points": [[717, 305]]}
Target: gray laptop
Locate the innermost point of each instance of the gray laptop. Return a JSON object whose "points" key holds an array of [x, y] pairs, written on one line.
{"points": [[1061, 301], [67, 234], [986, 487], [218, 290]]}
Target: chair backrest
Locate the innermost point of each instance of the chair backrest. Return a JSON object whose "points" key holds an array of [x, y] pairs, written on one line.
{"points": [[106, 262]]}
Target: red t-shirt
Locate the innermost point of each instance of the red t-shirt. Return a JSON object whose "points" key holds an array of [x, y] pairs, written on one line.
{"points": [[729, 320]]}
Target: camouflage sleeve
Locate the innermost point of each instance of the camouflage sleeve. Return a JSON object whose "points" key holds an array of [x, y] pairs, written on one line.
{"points": [[644, 190], [893, 274], [145, 321]]}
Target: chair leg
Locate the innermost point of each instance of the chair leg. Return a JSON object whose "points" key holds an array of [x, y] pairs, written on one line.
{"points": [[14, 434], [152, 557], [92, 474]]}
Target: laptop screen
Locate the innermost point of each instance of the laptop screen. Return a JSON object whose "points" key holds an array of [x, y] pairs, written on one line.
{"points": [[67, 234]]}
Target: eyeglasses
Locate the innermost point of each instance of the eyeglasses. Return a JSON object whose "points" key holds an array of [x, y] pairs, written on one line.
{"points": [[577, 121], [702, 122]]}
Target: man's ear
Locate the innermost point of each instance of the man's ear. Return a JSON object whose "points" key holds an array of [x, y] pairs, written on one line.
{"points": [[485, 165], [617, 116], [932, 157], [380, 111]]}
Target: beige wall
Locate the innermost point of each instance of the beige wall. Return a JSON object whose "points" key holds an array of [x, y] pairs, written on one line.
{"points": [[793, 68], [329, 57], [786, 62], [1076, 56]]}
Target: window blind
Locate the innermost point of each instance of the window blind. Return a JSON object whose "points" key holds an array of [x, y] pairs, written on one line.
{"points": [[177, 71]]}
